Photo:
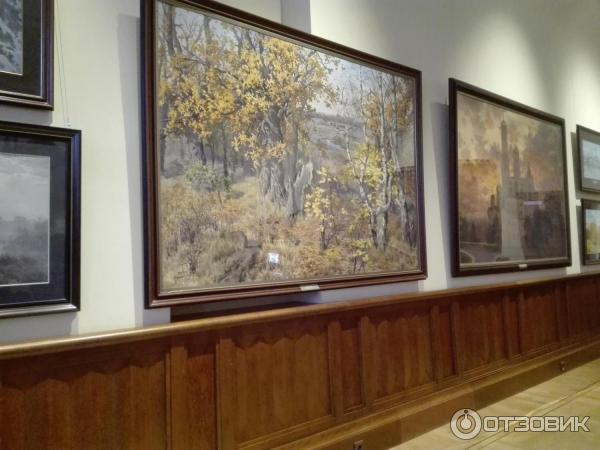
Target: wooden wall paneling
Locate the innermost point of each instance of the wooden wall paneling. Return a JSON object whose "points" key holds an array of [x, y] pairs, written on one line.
{"points": [[447, 351], [539, 317], [259, 381], [336, 386], [275, 383], [436, 341], [561, 311], [226, 393], [351, 355], [583, 307], [568, 310], [482, 330], [402, 350], [510, 330], [456, 340], [367, 360], [521, 326], [107, 400], [193, 392]]}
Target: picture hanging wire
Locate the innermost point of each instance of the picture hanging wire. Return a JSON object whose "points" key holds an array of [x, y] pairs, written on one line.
{"points": [[61, 69]]}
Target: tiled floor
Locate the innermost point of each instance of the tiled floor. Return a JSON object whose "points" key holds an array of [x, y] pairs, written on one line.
{"points": [[576, 393]]}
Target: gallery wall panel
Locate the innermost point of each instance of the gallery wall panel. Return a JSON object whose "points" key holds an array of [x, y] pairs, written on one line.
{"points": [[297, 376]]}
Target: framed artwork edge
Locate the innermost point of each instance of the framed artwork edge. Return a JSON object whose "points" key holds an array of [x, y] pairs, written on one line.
{"points": [[154, 298], [585, 205], [46, 100], [72, 304], [580, 130], [454, 86]]}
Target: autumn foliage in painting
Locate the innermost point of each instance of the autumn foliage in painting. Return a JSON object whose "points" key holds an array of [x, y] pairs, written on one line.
{"points": [[278, 162]]}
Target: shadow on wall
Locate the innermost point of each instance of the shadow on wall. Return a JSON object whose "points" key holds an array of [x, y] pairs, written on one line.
{"points": [[129, 36]]}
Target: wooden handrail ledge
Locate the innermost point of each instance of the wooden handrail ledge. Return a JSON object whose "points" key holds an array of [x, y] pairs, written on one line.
{"points": [[67, 343]]}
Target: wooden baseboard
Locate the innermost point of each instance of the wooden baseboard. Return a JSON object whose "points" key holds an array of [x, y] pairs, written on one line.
{"points": [[407, 421]]}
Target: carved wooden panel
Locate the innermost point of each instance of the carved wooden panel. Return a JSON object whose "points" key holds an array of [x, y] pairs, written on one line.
{"points": [[482, 330], [115, 401], [446, 343], [278, 377], [265, 384], [582, 307], [402, 350], [539, 317], [352, 364], [193, 393]]}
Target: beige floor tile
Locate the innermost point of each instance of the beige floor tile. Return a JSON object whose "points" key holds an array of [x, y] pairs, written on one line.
{"points": [[575, 393]]}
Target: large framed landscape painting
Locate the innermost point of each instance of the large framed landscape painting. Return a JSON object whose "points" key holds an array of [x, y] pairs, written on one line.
{"points": [[589, 159], [590, 213], [26, 53], [39, 219], [276, 162], [509, 185]]}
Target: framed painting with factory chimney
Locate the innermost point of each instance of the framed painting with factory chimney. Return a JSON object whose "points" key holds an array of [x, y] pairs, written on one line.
{"points": [[276, 162], [509, 185]]}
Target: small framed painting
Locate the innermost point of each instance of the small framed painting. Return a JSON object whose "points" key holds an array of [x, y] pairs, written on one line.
{"points": [[276, 162], [588, 142], [590, 221], [26, 53], [509, 185], [39, 219]]}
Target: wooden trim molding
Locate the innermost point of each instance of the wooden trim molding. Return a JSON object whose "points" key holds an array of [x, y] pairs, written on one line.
{"points": [[320, 376]]}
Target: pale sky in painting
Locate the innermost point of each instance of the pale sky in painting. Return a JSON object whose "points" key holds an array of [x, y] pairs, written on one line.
{"points": [[24, 186]]}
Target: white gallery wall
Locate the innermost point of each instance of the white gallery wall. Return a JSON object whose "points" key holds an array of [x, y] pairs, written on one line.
{"points": [[544, 53]]}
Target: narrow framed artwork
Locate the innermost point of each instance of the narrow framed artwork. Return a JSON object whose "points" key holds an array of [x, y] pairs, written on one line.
{"points": [[590, 231], [39, 219], [588, 143], [26, 53], [276, 162], [509, 185]]}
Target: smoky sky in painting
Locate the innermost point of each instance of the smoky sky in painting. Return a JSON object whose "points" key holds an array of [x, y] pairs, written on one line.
{"points": [[24, 217], [511, 185], [11, 36], [278, 162]]}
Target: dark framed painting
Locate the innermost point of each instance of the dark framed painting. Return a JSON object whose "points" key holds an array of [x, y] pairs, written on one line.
{"points": [[590, 224], [509, 185], [26, 53], [39, 219], [276, 162], [588, 143]]}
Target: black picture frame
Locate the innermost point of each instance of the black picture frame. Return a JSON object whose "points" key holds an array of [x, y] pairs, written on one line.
{"points": [[32, 85], [460, 269], [60, 151], [588, 259], [155, 296], [587, 184]]}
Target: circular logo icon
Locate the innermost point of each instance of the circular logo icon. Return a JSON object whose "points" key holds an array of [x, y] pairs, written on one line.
{"points": [[465, 424]]}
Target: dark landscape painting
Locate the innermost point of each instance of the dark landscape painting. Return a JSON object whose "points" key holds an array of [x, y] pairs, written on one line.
{"points": [[276, 161], [511, 186], [24, 216], [11, 36]]}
